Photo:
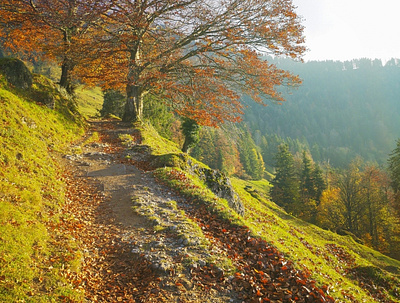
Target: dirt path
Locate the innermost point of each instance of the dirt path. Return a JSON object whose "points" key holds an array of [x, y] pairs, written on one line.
{"points": [[139, 239], [125, 259]]}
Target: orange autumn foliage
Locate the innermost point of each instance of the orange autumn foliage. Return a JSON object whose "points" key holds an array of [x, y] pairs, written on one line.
{"points": [[199, 56], [51, 29]]}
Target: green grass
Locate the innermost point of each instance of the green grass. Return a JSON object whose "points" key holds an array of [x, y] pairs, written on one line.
{"points": [[32, 192], [308, 247], [90, 101], [158, 144], [332, 259]]}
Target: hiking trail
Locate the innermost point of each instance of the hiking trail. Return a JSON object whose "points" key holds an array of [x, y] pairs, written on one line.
{"points": [[128, 257]]}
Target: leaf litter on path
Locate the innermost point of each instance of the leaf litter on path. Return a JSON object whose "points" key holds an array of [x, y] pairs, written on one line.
{"points": [[127, 259], [123, 255]]}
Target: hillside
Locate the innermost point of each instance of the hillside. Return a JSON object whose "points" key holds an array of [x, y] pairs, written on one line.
{"points": [[32, 192], [341, 110], [348, 270], [125, 216]]}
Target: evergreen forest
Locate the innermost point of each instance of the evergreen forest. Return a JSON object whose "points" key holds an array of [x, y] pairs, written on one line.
{"points": [[342, 110]]}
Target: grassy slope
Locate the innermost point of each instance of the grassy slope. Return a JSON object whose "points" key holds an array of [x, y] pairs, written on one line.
{"points": [[32, 194], [338, 261], [90, 101], [334, 260]]}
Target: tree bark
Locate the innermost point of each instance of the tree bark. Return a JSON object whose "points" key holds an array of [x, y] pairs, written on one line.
{"points": [[67, 65], [134, 104], [65, 79]]}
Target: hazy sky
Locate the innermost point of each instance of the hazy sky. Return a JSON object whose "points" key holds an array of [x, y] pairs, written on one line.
{"points": [[351, 29]]}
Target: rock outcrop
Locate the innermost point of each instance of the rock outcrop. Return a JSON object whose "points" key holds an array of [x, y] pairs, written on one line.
{"points": [[215, 180], [16, 73], [220, 185]]}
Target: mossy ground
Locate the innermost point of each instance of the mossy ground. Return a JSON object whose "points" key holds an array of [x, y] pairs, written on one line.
{"points": [[32, 194]]}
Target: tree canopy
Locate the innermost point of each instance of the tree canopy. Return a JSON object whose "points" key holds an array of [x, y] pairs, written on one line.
{"points": [[53, 29], [197, 55]]}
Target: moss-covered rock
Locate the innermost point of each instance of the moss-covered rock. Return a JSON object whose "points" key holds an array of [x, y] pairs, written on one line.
{"points": [[170, 160], [220, 185], [215, 180], [16, 73]]}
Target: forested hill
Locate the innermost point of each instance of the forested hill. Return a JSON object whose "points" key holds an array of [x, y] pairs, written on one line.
{"points": [[342, 109]]}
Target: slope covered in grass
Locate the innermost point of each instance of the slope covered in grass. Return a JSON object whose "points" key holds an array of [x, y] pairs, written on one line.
{"points": [[352, 271], [90, 100], [32, 192], [36, 257], [343, 268]]}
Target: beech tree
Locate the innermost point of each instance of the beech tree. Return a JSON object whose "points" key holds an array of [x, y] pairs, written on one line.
{"points": [[198, 55], [378, 212], [53, 29]]}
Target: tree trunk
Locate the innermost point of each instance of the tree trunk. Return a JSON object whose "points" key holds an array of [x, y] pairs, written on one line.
{"points": [[67, 65], [65, 80], [134, 104], [186, 146]]}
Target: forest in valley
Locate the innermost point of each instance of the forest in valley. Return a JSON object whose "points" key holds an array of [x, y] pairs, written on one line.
{"points": [[341, 111], [345, 118]]}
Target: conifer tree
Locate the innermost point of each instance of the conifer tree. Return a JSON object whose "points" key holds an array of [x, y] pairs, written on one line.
{"points": [[250, 157], [319, 183], [191, 131], [394, 173], [285, 189], [308, 204], [394, 167], [307, 184]]}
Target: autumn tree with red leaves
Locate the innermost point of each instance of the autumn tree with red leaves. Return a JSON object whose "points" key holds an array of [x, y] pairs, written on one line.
{"points": [[51, 29], [197, 55]]}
